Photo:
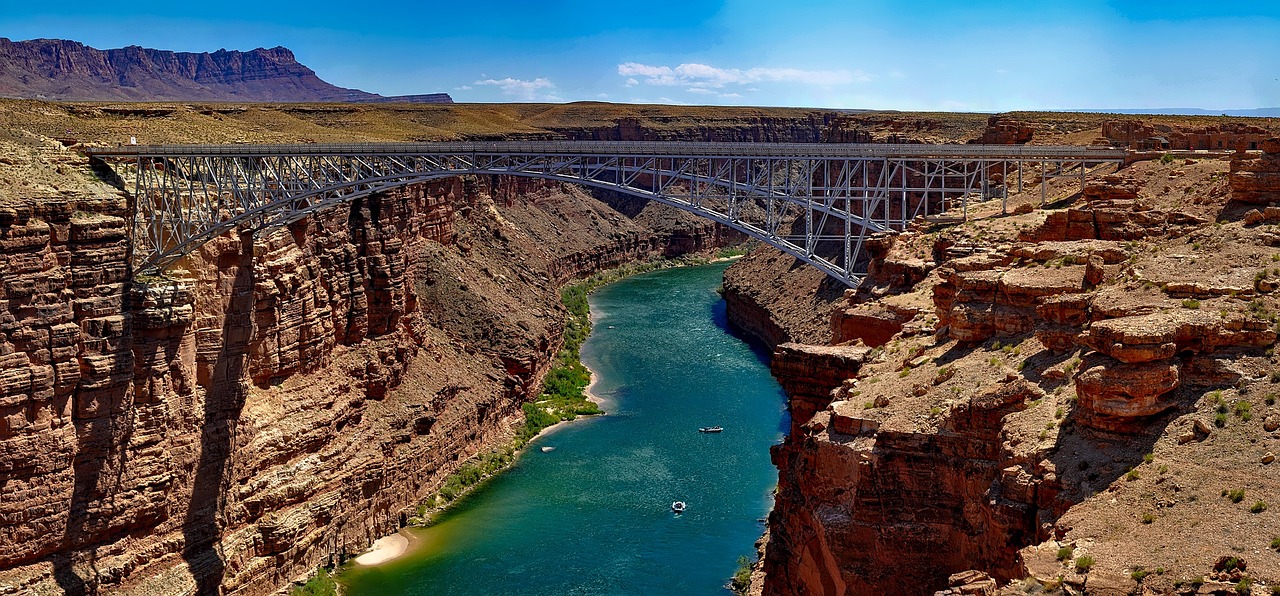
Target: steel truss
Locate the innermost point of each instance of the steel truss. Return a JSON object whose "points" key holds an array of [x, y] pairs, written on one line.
{"points": [[816, 202]]}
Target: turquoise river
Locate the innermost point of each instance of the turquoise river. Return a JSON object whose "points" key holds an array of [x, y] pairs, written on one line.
{"points": [[593, 515]]}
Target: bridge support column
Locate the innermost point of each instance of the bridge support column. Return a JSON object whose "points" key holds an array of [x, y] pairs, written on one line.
{"points": [[1044, 183]]}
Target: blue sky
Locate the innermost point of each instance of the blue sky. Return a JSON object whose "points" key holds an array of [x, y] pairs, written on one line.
{"points": [[927, 55]]}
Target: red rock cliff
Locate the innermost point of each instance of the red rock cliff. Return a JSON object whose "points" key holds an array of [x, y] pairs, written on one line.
{"points": [[1083, 380], [282, 400]]}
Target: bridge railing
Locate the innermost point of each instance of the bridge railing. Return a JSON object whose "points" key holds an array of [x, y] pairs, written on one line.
{"points": [[654, 148]]}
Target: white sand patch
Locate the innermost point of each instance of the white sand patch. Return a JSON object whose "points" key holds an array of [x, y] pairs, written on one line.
{"points": [[384, 549]]}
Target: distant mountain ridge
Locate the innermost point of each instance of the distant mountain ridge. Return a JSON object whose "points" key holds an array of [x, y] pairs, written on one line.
{"points": [[1251, 113], [64, 70]]}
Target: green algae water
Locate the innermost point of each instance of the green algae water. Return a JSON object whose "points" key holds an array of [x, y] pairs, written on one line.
{"points": [[593, 515]]}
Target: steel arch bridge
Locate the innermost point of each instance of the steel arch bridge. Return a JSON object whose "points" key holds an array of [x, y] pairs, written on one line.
{"points": [[816, 202]]}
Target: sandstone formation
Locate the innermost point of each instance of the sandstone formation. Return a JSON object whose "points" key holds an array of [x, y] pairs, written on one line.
{"points": [[1111, 211], [1229, 136], [1002, 130], [769, 311], [1000, 384], [815, 127], [1256, 179]]}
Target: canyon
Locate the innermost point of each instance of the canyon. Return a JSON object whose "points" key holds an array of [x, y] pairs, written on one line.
{"points": [[277, 402], [281, 401]]}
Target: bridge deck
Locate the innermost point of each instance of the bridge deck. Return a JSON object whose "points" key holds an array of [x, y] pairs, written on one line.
{"points": [[646, 148]]}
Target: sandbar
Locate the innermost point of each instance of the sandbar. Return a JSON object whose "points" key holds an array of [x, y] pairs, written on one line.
{"points": [[384, 549]]}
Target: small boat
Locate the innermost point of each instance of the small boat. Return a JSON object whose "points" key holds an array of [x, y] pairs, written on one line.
{"points": [[678, 506], [710, 429]]}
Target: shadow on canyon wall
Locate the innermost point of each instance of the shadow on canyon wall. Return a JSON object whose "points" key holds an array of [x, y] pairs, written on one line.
{"points": [[224, 399]]}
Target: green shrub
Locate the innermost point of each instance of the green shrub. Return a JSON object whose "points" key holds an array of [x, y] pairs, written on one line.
{"points": [[1190, 303], [1065, 553], [1258, 507], [1148, 518], [1138, 575], [321, 584], [1084, 564], [1148, 458], [1166, 158], [742, 577], [1243, 410], [1235, 495], [1245, 587], [1275, 544], [1220, 420]]}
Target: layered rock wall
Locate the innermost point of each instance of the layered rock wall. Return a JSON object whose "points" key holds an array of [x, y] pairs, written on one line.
{"points": [[1256, 179], [1138, 134], [1008, 393], [282, 400], [859, 506], [1002, 130], [774, 298]]}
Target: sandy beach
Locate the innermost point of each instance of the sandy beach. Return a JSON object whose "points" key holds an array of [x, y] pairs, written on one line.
{"points": [[385, 549]]}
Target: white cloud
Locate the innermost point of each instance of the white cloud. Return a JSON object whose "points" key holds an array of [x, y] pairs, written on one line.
{"points": [[602, 95], [462, 88], [702, 76], [537, 89], [699, 90]]}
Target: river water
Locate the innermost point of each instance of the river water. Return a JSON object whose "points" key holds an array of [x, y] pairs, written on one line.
{"points": [[592, 516]]}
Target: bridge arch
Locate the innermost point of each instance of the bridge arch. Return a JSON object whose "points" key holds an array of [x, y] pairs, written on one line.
{"points": [[276, 215], [833, 195]]}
